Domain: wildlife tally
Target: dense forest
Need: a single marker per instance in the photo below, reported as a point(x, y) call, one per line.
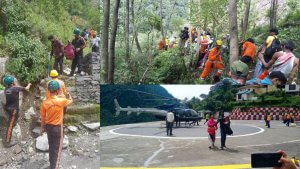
point(132, 29)
point(26, 25)
point(147, 96)
point(223, 98)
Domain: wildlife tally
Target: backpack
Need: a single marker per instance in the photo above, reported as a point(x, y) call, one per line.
point(184, 35)
point(228, 130)
point(69, 52)
point(273, 48)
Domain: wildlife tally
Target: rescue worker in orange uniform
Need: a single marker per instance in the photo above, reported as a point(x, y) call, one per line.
point(62, 91)
point(162, 44)
point(249, 51)
point(52, 113)
point(214, 61)
point(11, 107)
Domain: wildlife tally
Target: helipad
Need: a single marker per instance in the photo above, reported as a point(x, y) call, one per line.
point(158, 130)
point(146, 145)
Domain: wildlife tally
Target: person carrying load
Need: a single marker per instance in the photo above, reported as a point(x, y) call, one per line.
point(214, 62)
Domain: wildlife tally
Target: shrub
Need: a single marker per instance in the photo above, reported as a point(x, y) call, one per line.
point(168, 68)
point(28, 61)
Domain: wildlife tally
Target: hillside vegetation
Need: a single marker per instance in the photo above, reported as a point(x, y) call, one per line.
point(26, 25)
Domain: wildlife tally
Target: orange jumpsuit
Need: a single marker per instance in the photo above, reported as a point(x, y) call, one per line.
point(214, 62)
point(249, 50)
point(62, 91)
point(161, 45)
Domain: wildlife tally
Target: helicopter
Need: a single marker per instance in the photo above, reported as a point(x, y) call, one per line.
point(181, 113)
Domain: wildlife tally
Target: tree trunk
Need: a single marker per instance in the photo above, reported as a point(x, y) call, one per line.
point(111, 68)
point(135, 33)
point(170, 17)
point(161, 20)
point(104, 40)
point(199, 13)
point(234, 50)
point(298, 74)
point(273, 13)
point(205, 22)
point(127, 31)
point(245, 20)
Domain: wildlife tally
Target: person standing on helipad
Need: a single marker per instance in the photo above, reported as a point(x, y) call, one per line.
point(288, 119)
point(169, 121)
point(211, 130)
point(268, 119)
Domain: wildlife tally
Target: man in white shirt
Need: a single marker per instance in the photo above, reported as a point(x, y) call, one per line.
point(95, 42)
point(169, 121)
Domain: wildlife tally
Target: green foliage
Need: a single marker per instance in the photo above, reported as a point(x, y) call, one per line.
point(43, 23)
point(2, 87)
point(28, 61)
point(26, 25)
point(217, 100)
point(168, 67)
point(13, 16)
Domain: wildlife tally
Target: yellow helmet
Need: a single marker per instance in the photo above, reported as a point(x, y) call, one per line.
point(53, 73)
point(219, 42)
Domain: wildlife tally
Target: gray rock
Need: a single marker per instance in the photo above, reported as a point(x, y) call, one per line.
point(2, 98)
point(42, 142)
point(3, 161)
point(29, 113)
point(30, 149)
point(18, 149)
point(92, 126)
point(16, 133)
point(3, 64)
point(71, 89)
point(72, 128)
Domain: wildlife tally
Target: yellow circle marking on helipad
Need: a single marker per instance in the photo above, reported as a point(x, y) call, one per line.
point(234, 166)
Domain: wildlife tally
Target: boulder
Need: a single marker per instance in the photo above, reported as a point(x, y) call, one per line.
point(92, 126)
point(29, 113)
point(42, 142)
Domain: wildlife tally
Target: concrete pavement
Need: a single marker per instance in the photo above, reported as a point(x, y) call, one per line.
point(145, 145)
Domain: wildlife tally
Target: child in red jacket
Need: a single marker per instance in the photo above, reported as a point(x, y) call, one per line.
point(211, 129)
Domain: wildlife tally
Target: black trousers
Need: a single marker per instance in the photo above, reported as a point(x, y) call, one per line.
point(12, 116)
point(268, 124)
point(58, 65)
point(169, 128)
point(223, 137)
point(55, 141)
point(288, 122)
point(77, 62)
